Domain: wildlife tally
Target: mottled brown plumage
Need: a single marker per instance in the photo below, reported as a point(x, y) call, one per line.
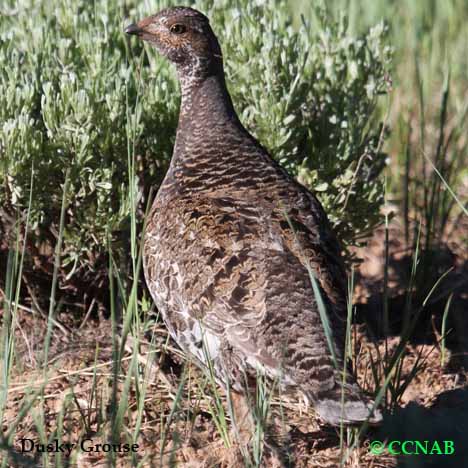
point(231, 237)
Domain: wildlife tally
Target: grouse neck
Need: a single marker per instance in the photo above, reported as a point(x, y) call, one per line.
point(205, 101)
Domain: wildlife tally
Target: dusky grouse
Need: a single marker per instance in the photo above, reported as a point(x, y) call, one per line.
point(231, 238)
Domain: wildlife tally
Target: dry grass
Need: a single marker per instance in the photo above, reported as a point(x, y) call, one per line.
point(78, 388)
point(143, 391)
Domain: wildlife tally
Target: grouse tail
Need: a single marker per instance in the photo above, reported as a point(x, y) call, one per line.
point(347, 405)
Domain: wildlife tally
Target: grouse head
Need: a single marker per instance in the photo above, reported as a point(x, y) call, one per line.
point(184, 36)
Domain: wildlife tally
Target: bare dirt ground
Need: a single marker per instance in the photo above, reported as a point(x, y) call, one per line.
point(434, 406)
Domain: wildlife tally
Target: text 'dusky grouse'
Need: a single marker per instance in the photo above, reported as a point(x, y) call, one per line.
point(232, 241)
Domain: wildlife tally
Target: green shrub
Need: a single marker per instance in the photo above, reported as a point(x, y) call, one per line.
point(77, 95)
point(310, 97)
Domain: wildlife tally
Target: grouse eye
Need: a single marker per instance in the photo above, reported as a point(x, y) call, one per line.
point(178, 29)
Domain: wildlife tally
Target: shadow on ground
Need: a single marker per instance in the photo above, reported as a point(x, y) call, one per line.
point(453, 285)
point(445, 420)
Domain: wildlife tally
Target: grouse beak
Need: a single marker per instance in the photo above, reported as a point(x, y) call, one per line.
point(133, 29)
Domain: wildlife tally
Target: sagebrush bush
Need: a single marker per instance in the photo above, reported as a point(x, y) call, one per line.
point(77, 95)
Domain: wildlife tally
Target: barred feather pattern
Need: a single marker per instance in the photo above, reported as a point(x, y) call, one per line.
point(231, 239)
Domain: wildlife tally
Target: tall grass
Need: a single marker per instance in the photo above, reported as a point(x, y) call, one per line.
point(429, 101)
point(426, 175)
